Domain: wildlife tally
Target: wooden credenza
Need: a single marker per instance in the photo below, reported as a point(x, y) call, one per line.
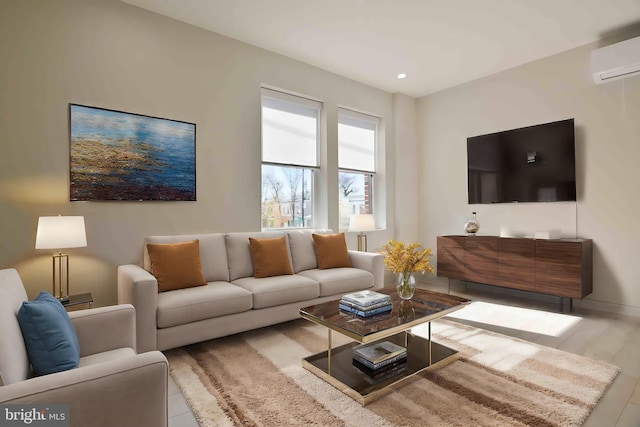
point(560, 267)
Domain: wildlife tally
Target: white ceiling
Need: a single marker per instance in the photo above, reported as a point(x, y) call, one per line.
point(438, 43)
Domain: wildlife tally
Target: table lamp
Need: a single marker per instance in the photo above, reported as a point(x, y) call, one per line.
point(361, 223)
point(60, 232)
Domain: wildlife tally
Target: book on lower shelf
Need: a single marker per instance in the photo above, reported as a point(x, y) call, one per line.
point(379, 354)
point(400, 358)
point(365, 313)
point(379, 375)
point(366, 298)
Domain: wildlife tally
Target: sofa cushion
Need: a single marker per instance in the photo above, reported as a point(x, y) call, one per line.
point(335, 281)
point(14, 362)
point(176, 265)
point(331, 250)
point(213, 253)
point(51, 341)
point(303, 252)
point(204, 302)
point(279, 290)
point(239, 254)
point(270, 257)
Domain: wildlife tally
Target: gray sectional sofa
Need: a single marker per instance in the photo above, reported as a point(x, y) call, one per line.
point(233, 300)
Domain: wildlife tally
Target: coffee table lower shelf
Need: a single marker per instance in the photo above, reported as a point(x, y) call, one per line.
point(339, 370)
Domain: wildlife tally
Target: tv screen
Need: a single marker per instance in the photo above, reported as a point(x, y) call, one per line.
point(530, 164)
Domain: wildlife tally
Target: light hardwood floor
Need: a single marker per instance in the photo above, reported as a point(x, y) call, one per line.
point(598, 335)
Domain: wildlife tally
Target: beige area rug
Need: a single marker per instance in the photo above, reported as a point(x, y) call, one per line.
point(256, 379)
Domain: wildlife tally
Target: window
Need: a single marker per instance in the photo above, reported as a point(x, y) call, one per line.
point(357, 140)
point(290, 141)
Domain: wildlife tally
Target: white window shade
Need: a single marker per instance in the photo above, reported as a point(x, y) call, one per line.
point(357, 141)
point(289, 129)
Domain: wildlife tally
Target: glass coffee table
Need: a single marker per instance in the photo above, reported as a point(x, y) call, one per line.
point(336, 366)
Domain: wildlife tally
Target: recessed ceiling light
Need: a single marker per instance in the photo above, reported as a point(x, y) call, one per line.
point(402, 76)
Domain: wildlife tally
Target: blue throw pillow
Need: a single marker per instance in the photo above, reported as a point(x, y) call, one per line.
point(51, 341)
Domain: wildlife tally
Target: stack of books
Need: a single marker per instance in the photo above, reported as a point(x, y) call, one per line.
point(380, 361)
point(365, 303)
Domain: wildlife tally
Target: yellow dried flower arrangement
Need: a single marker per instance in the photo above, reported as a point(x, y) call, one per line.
point(401, 258)
point(406, 260)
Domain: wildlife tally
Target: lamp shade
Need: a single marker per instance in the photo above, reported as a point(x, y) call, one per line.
point(60, 232)
point(363, 222)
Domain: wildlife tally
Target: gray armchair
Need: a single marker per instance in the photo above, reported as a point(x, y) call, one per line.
point(113, 385)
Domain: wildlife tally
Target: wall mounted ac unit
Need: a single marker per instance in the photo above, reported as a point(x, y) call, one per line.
point(616, 61)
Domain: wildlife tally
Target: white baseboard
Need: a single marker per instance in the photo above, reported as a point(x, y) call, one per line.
point(609, 307)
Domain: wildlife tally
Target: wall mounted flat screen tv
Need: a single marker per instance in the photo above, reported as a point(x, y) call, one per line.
point(530, 164)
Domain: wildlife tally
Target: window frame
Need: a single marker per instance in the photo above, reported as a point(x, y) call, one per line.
point(285, 98)
point(377, 122)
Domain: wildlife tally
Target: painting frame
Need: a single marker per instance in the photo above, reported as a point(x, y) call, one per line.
point(122, 156)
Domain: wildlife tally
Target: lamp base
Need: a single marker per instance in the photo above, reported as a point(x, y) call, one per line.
point(62, 275)
point(362, 242)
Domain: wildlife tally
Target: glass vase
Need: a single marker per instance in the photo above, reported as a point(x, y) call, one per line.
point(472, 226)
point(406, 285)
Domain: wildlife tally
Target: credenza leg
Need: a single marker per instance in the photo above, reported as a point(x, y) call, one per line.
point(562, 304)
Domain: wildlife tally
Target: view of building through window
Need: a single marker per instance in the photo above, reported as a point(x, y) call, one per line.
point(355, 195)
point(286, 197)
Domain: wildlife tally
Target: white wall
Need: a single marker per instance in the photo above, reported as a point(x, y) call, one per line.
point(607, 123)
point(406, 184)
point(109, 54)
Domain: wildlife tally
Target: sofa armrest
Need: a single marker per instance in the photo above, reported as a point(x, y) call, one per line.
point(130, 391)
point(371, 262)
point(94, 338)
point(138, 287)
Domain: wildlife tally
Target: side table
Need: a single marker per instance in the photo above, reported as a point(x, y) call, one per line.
point(79, 299)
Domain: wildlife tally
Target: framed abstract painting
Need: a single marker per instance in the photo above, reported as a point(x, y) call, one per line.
point(116, 155)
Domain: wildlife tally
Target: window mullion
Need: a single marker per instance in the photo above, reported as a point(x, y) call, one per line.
point(291, 165)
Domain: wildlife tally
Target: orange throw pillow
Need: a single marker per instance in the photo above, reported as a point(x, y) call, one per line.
point(331, 250)
point(176, 265)
point(270, 257)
